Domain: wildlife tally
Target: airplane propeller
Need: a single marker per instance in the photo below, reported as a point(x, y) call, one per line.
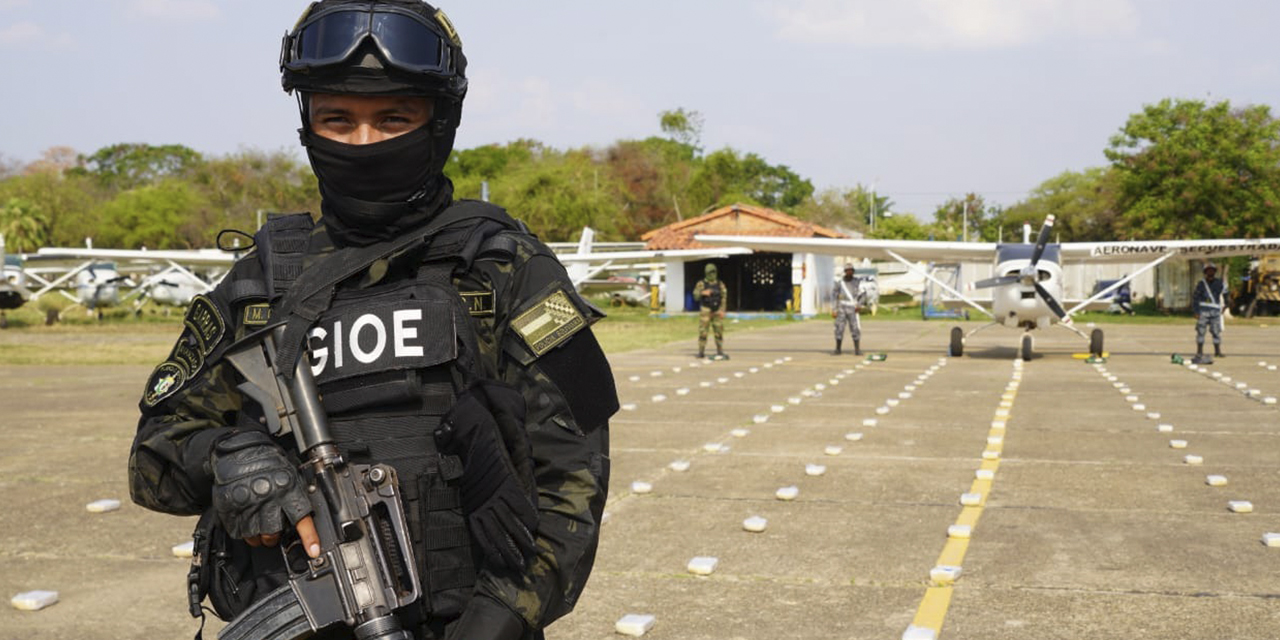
point(1030, 275)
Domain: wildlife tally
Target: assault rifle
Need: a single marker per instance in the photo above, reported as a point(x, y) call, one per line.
point(366, 567)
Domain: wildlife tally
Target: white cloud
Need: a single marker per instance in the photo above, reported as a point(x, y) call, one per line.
point(29, 34)
point(5, 5)
point(181, 10)
point(943, 24)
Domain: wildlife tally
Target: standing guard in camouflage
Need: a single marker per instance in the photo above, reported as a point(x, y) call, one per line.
point(1209, 299)
point(847, 303)
point(458, 352)
point(712, 298)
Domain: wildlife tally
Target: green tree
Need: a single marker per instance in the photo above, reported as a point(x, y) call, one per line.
point(1083, 204)
point(127, 165)
point(65, 199)
point(684, 127)
point(845, 209)
point(559, 195)
point(237, 186)
point(653, 175)
point(725, 177)
point(950, 217)
point(1187, 169)
point(902, 226)
point(23, 225)
point(165, 215)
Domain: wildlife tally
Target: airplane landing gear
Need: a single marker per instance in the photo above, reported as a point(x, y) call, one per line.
point(957, 342)
point(1028, 346)
point(1095, 343)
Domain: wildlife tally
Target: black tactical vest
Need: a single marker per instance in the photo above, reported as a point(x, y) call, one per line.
point(388, 361)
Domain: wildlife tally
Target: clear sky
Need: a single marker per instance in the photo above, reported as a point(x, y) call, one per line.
point(925, 99)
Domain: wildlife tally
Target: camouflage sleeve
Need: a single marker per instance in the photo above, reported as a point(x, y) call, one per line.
point(187, 404)
point(549, 352)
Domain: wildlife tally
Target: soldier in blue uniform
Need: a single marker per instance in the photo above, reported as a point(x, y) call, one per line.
point(1209, 299)
point(847, 304)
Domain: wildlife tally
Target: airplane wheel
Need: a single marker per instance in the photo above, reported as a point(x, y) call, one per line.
point(1027, 346)
point(957, 342)
point(1095, 342)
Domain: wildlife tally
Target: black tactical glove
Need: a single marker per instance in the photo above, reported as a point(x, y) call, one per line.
point(502, 516)
point(486, 619)
point(255, 488)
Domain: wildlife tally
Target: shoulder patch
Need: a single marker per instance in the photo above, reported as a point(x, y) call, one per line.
point(549, 323)
point(164, 382)
point(257, 314)
point(206, 322)
point(479, 303)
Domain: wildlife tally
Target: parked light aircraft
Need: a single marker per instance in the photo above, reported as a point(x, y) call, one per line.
point(1028, 292)
point(13, 290)
point(169, 278)
point(586, 265)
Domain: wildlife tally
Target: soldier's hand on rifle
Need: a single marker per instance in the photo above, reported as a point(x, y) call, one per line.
point(257, 492)
point(502, 516)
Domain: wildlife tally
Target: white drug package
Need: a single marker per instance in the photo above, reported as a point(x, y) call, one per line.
point(634, 624)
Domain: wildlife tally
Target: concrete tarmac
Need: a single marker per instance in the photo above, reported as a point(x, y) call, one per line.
point(1088, 524)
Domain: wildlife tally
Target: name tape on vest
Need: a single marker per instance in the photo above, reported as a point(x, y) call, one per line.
point(400, 334)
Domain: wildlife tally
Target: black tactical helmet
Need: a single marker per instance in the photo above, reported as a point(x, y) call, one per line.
point(388, 47)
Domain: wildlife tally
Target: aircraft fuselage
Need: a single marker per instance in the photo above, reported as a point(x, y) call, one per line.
point(1017, 305)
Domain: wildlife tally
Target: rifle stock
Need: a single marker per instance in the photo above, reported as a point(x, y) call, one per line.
point(366, 567)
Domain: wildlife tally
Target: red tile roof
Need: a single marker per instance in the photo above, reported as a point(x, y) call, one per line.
point(734, 220)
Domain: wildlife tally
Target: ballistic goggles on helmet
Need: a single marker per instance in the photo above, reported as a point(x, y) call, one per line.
point(407, 40)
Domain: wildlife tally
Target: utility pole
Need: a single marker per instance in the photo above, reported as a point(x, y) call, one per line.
point(966, 220)
point(871, 205)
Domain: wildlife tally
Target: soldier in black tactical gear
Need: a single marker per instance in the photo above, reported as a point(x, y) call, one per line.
point(445, 340)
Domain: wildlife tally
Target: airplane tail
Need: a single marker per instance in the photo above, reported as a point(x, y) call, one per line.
point(580, 271)
point(588, 238)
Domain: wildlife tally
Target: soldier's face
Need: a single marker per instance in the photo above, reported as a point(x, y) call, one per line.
point(354, 119)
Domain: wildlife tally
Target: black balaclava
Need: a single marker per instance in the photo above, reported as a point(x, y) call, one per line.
point(379, 191)
point(374, 192)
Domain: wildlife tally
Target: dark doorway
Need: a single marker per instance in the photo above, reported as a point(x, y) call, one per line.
point(757, 282)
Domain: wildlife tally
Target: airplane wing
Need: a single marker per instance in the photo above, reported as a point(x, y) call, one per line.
point(649, 256)
point(208, 257)
point(1140, 250)
point(915, 250)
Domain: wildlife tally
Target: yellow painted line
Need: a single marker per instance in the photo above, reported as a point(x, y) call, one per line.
point(932, 611)
point(933, 608)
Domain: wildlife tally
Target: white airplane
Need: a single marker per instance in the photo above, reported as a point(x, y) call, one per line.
point(586, 265)
point(169, 278)
point(1028, 292)
point(13, 290)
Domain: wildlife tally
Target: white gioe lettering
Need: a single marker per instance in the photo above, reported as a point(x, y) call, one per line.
point(320, 355)
point(337, 344)
point(368, 320)
point(403, 333)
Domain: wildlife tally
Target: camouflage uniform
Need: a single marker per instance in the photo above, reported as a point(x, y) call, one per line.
point(1209, 301)
point(711, 310)
point(191, 400)
point(847, 308)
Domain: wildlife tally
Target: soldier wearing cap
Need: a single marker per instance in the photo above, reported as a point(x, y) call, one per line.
point(1209, 299)
point(713, 299)
point(847, 296)
point(456, 351)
